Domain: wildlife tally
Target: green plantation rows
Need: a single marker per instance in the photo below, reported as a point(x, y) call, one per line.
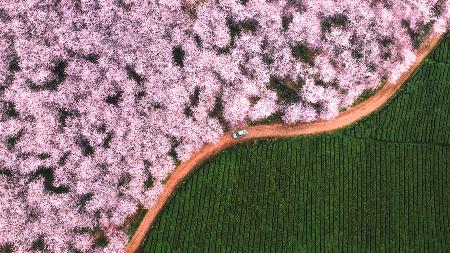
point(381, 185)
point(371, 196)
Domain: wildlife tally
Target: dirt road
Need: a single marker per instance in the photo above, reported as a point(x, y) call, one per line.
point(275, 131)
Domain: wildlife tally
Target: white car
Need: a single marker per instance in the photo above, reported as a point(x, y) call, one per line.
point(239, 134)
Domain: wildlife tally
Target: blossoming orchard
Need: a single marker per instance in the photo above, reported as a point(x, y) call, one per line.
point(101, 99)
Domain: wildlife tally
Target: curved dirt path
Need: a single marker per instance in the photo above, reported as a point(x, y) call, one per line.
point(275, 131)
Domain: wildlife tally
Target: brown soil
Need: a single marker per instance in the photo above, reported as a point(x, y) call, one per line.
point(275, 131)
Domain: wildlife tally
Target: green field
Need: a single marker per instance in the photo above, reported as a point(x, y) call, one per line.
point(381, 185)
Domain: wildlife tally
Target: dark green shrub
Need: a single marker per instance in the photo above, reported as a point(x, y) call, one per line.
point(100, 238)
point(339, 20)
point(149, 182)
point(286, 21)
point(174, 143)
point(178, 55)
point(6, 248)
point(285, 92)
point(303, 53)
